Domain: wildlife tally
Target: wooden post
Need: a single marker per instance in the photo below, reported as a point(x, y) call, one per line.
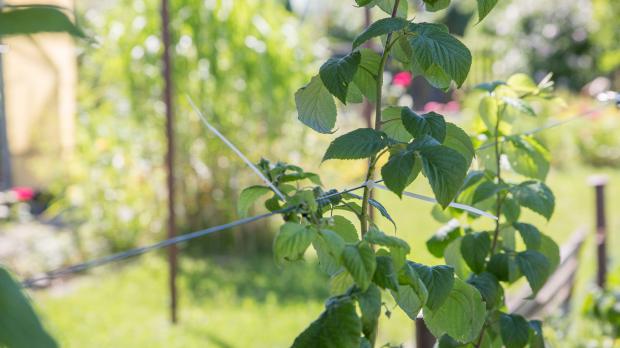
point(167, 72)
point(5, 154)
point(423, 337)
point(599, 183)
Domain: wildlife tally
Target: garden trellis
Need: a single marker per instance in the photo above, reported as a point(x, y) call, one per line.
point(81, 267)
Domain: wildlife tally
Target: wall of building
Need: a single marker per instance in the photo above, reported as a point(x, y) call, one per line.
point(40, 76)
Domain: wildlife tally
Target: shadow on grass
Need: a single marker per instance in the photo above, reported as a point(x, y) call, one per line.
point(258, 278)
point(218, 342)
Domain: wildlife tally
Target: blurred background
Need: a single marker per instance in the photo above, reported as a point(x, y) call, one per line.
point(84, 145)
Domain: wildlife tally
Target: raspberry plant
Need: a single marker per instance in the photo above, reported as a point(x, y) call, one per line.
point(462, 302)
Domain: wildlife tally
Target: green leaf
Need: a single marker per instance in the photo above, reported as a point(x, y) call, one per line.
point(486, 189)
point(411, 294)
point(344, 228)
point(387, 6)
point(535, 267)
point(536, 196)
point(315, 106)
point(438, 280)
point(393, 126)
point(385, 275)
point(19, 324)
point(370, 306)
point(507, 235)
point(438, 243)
point(363, 2)
point(377, 237)
point(305, 198)
point(358, 144)
point(381, 27)
point(432, 124)
point(354, 94)
point(329, 246)
point(312, 177)
point(340, 282)
point(439, 54)
point(484, 7)
point(489, 112)
point(446, 170)
point(490, 86)
point(360, 262)
point(511, 209)
point(527, 157)
point(337, 327)
point(292, 240)
point(35, 19)
point(398, 247)
point(375, 204)
point(475, 247)
point(337, 73)
point(515, 330)
point(440, 215)
point(458, 140)
point(401, 51)
point(536, 334)
point(408, 300)
point(453, 257)
point(366, 76)
point(436, 5)
point(365, 343)
point(461, 316)
point(249, 196)
point(530, 234)
point(522, 83)
point(519, 105)
point(489, 287)
point(400, 170)
point(504, 267)
point(551, 251)
point(446, 341)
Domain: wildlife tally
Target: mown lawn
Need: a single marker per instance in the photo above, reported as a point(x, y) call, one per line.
point(252, 303)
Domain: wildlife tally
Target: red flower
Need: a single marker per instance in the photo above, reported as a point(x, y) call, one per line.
point(23, 194)
point(403, 79)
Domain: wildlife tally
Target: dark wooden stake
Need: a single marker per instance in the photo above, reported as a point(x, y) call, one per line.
point(167, 71)
point(423, 337)
point(599, 183)
point(5, 154)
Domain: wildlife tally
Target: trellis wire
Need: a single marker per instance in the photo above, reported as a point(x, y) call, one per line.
point(235, 149)
point(28, 283)
point(433, 200)
point(547, 126)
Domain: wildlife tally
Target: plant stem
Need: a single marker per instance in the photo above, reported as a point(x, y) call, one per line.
point(499, 181)
point(373, 159)
point(481, 336)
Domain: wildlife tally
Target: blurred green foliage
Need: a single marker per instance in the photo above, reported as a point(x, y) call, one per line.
point(599, 144)
point(607, 35)
point(240, 61)
point(572, 39)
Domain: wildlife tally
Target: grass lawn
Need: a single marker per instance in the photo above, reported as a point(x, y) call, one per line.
point(252, 303)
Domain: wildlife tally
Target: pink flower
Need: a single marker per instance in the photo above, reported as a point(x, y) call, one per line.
point(403, 79)
point(23, 194)
point(452, 106)
point(432, 106)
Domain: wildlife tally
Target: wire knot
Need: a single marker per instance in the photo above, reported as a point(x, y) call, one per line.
point(370, 184)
